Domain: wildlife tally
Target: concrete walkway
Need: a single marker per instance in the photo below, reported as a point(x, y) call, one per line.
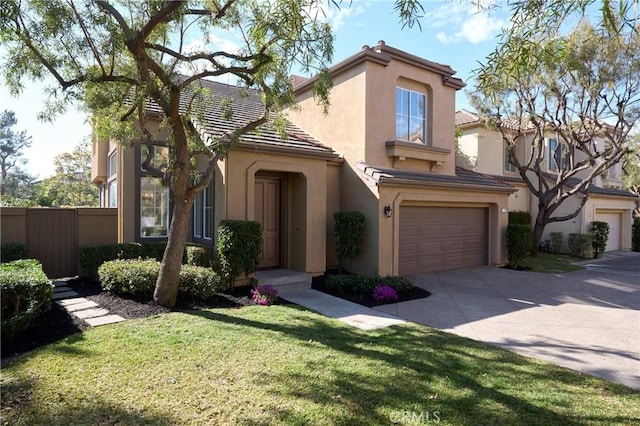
point(350, 313)
point(80, 307)
point(587, 320)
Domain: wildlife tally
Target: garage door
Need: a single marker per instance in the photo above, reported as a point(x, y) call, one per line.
point(441, 238)
point(613, 219)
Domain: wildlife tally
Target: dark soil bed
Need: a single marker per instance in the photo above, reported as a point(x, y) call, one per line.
point(367, 300)
point(57, 323)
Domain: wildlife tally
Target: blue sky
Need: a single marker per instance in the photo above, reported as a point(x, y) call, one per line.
point(453, 33)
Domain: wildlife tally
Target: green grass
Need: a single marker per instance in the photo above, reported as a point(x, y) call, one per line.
point(551, 263)
point(284, 365)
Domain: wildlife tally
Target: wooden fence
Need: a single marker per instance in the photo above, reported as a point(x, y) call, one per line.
point(53, 235)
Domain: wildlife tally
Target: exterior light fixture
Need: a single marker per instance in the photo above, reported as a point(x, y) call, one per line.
point(387, 210)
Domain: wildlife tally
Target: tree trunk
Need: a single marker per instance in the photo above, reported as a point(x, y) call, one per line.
point(166, 290)
point(538, 229)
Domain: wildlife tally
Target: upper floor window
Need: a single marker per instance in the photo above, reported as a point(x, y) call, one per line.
point(112, 181)
point(410, 115)
point(508, 166)
point(555, 155)
point(154, 196)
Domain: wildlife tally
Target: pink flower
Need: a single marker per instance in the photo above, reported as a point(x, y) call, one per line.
point(384, 292)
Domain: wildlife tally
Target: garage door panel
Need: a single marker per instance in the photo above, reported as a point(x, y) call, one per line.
point(441, 238)
point(613, 219)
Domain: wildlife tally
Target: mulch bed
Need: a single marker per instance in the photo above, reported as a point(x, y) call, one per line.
point(318, 283)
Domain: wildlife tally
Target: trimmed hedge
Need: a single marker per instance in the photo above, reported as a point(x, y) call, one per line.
point(635, 236)
point(25, 293)
point(91, 257)
point(519, 218)
point(138, 278)
point(239, 247)
point(366, 284)
point(519, 242)
point(12, 251)
point(349, 230)
point(599, 235)
point(557, 241)
point(579, 244)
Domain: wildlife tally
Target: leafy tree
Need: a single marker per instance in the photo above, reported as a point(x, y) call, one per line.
point(579, 83)
point(631, 171)
point(11, 145)
point(19, 188)
point(120, 57)
point(71, 186)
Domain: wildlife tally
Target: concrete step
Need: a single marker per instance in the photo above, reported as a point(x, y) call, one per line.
point(283, 280)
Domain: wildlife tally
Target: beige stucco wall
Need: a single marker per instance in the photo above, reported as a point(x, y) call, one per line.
point(521, 199)
point(333, 205)
point(306, 202)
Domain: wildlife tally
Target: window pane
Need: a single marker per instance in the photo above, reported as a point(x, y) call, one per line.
point(158, 156)
point(113, 193)
point(208, 213)
point(154, 208)
point(197, 216)
point(112, 165)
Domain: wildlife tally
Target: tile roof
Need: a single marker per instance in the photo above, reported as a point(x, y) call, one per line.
point(593, 189)
point(246, 105)
point(462, 178)
point(466, 117)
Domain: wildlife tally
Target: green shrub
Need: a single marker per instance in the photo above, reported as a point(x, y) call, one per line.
point(91, 257)
point(557, 241)
point(12, 251)
point(239, 247)
point(365, 284)
point(635, 236)
point(200, 255)
point(579, 244)
point(599, 235)
point(25, 293)
point(130, 277)
point(349, 230)
point(199, 282)
point(519, 242)
point(519, 218)
point(138, 278)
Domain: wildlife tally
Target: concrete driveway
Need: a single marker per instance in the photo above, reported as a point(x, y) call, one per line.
point(587, 320)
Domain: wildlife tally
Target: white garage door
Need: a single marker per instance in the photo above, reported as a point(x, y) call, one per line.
point(613, 219)
point(441, 238)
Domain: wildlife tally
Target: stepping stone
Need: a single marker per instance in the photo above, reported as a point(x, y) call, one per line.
point(107, 319)
point(91, 313)
point(61, 289)
point(65, 295)
point(81, 306)
point(73, 301)
point(60, 283)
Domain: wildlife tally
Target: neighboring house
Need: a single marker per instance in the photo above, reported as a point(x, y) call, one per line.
point(386, 148)
point(483, 150)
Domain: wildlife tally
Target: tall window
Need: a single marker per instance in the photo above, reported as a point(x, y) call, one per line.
point(410, 115)
point(555, 154)
point(154, 197)
point(112, 181)
point(508, 166)
point(203, 214)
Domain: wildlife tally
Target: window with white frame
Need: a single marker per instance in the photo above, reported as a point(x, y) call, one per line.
point(508, 166)
point(410, 115)
point(203, 214)
point(112, 181)
point(154, 196)
point(555, 155)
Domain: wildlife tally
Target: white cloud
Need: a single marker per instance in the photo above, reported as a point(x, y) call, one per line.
point(465, 22)
point(337, 16)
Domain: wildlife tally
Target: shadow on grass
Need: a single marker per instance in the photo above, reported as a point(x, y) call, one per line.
point(17, 397)
point(460, 379)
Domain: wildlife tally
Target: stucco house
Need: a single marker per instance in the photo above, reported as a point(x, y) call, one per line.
point(386, 148)
point(483, 150)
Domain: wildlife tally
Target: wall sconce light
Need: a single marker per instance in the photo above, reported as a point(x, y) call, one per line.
point(387, 210)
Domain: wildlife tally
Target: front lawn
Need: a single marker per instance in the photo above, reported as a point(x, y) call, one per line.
point(551, 263)
point(284, 365)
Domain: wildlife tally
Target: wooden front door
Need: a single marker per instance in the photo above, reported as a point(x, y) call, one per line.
point(268, 211)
